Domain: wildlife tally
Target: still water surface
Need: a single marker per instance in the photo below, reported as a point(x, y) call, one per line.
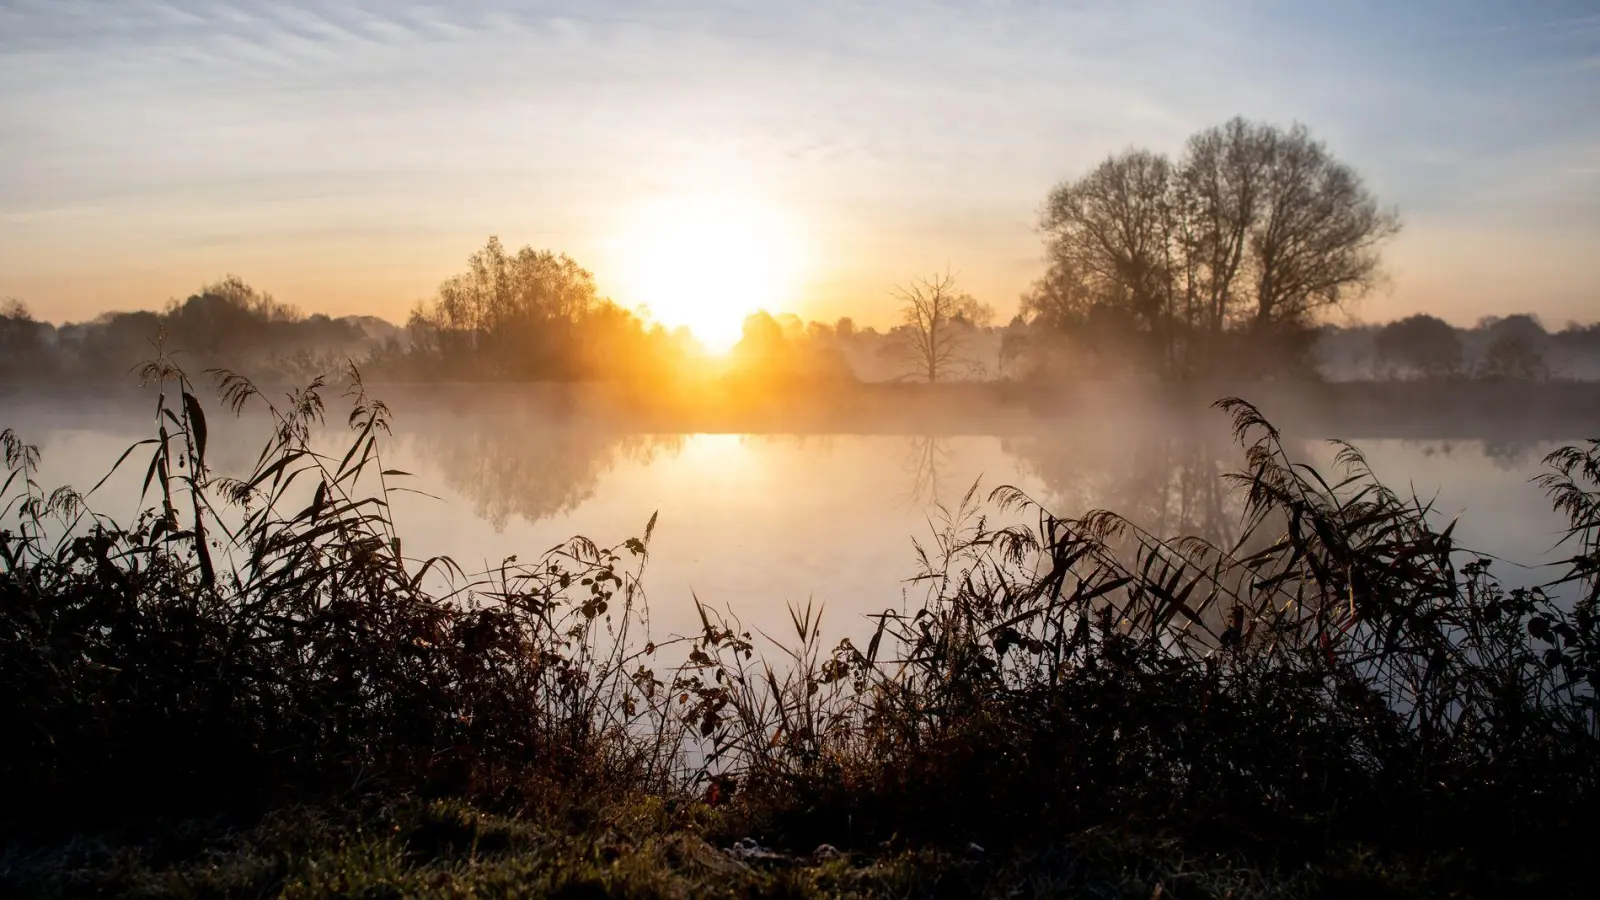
point(756, 522)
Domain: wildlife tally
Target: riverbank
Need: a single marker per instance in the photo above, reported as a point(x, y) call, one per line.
point(1442, 410)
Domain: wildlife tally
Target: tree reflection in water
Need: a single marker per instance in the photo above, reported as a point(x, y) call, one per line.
point(529, 465)
point(928, 460)
point(1171, 482)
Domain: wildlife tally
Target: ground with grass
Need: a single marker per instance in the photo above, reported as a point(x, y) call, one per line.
point(645, 849)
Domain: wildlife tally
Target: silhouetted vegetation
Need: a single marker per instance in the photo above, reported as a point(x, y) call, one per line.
point(783, 350)
point(1335, 698)
point(23, 350)
point(1420, 345)
point(1216, 265)
point(227, 323)
point(939, 321)
point(1516, 347)
point(531, 316)
point(1223, 265)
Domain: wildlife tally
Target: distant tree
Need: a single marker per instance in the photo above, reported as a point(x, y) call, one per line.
point(1013, 345)
point(232, 324)
point(234, 294)
point(774, 350)
point(22, 345)
point(794, 328)
point(114, 343)
point(1522, 326)
point(1509, 356)
point(1251, 234)
point(939, 320)
point(1579, 334)
point(763, 337)
point(845, 328)
point(532, 314)
point(1422, 343)
point(1578, 347)
point(1516, 349)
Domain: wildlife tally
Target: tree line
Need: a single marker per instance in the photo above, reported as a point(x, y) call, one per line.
point(226, 323)
point(1425, 347)
point(1223, 263)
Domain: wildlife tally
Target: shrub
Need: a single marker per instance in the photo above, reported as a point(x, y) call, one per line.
point(263, 639)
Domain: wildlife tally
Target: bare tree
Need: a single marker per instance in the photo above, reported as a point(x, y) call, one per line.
point(939, 321)
point(1219, 192)
point(1111, 239)
point(1317, 239)
point(1254, 231)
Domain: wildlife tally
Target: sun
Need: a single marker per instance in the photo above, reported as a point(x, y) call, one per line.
point(707, 262)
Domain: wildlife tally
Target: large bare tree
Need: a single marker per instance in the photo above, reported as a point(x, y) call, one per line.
point(1110, 240)
point(1249, 236)
point(939, 321)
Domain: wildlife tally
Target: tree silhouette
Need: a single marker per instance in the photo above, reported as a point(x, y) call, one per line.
point(782, 349)
point(1516, 349)
point(534, 314)
point(22, 345)
point(939, 320)
point(1241, 242)
point(1423, 344)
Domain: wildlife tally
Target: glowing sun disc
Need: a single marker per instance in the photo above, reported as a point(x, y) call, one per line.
point(707, 263)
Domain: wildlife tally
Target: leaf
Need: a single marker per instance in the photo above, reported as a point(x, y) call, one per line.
point(114, 466)
point(197, 423)
point(1538, 628)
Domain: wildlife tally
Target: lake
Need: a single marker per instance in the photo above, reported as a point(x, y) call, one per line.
point(757, 521)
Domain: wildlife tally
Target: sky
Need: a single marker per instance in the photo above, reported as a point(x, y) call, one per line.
point(347, 157)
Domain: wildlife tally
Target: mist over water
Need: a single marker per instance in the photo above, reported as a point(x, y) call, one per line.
point(757, 521)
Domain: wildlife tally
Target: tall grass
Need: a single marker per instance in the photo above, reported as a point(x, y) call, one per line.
point(263, 639)
point(1343, 673)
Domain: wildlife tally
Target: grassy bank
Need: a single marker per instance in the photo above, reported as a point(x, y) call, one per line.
point(448, 849)
point(253, 691)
